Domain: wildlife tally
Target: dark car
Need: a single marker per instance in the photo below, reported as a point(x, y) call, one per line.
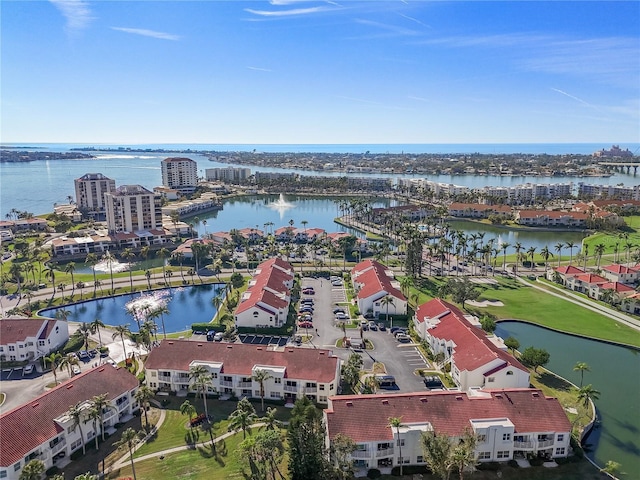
point(373, 326)
point(432, 382)
point(382, 327)
point(338, 310)
point(308, 291)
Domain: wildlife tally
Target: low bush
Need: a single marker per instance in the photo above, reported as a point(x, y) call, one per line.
point(536, 461)
point(374, 473)
point(513, 463)
point(410, 470)
point(52, 471)
point(206, 327)
point(489, 466)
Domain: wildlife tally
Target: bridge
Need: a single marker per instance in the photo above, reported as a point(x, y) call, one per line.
point(621, 166)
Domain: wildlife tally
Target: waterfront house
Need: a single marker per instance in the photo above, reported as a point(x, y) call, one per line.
point(43, 429)
point(372, 282)
point(27, 339)
point(621, 273)
point(477, 361)
point(474, 210)
point(620, 290)
point(508, 423)
point(295, 372)
point(551, 218)
point(266, 301)
point(584, 282)
point(562, 273)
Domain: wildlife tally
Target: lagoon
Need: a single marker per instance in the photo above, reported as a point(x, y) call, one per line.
point(615, 372)
point(186, 305)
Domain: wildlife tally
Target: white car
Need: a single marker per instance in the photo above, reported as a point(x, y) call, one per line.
point(76, 370)
point(27, 369)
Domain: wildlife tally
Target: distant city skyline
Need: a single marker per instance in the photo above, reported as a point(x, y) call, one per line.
point(320, 72)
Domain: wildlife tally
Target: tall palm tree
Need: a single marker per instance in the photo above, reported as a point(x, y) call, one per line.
point(189, 410)
point(518, 248)
point(95, 327)
point(101, 403)
point(77, 415)
point(94, 415)
point(122, 331)
point(261, 376)
point(127, 255)
point(243, 417)
point(92, 260)
point(201, 379)
point(581, 367)
point(68, 361)
point(163, 253)
point(505, 246)
point(587, 394)
point(570, 246)
point(108, 259)
point(531, 253)
point(386, 301)
point(142, 396)
point(599, 251)
point(85, 332)
point(70, 268)
point(129, 439)
point(545, 254)
point(558, 247)
point(396, 422)
point(54, 360)
point(50, 273)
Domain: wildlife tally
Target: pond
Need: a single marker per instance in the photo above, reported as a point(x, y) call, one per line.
point(186, 305)
point(614, 372)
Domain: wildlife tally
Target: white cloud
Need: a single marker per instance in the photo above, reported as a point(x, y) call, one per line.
point(288, 13)
point(76, 12)
point(148, 33)
point(260, 69)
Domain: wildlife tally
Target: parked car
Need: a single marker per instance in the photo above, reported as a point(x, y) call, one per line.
point(393, 330)
point(83, 355)
point(382, 327)
point(336, 283)
point(307, 301)
point(309, 291)
point(403, 338)
point(400, 331)
point(338, 310)
point(218, 337)
point(364, 325)
point(76, 370)
point(373, 326)
point(27, 369)
point(305, 324)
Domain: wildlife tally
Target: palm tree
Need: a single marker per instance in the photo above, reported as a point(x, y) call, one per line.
point(505, 246)
point(261, 376)
point(545, 254)
point(531, 253)
point(101, 403)
point(518, 247)
point(558, 248)
point(128, 255)
point(77, 416)
point(581, 367)
point(50, 273)
point(85, 332)
point(108, 259)
point(32, 470)
point(122, 331)
point(270, 420)
point(54, 360)
point(570, 246)
point(188, 409)
point(68, 361)
point(129, 439)
point(396, 422)
point(92, 259)
point(201, 379)
point(243, 417)
point(386, 301)
point(599, 251)
point(587, 394)
point(95, 327)
point(70, 268)
point(163, 253)
point(94, 415)
point(142, 396)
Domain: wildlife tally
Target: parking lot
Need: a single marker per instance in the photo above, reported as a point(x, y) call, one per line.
point(400, 359)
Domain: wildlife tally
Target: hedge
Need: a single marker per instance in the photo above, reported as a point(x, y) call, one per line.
point(207, 327)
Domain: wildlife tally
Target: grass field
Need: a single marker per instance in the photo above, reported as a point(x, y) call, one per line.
point(611, 239)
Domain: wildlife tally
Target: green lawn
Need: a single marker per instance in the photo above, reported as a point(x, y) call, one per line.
point(529, 304)
point(611, 239)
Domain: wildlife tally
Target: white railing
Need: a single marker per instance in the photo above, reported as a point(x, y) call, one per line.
point(527, 444)
point(245, 384)
point(226, 383)
point(290, 388)
point(385, 452)
point(361, 454)
point(545, 443)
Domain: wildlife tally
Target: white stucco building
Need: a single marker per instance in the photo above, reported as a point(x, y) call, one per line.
point(372, 282)
point(180, 174)
point(27, 339)
point(133, 208)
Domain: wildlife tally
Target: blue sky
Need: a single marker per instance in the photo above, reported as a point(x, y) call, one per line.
point(287, 71)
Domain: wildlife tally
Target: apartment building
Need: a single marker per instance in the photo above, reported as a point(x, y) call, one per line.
point(133, 208)
point(229, 174)
point(373, 282)
point(618, 192)
point(508, 423)
point(43, 429)
point(90, 191)
point(180, 174)
point(27, 339)
point(295, 372)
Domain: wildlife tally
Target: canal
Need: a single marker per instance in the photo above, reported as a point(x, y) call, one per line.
point(614, 372)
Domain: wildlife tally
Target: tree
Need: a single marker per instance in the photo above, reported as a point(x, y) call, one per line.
point(305, 435)
point(599, 251)
point(437, 451)
point(270, 420)
point(386, 301)
point(340, 452)
point(558, 247)
point(461, 290)
point(77, 416)
point(128, 255)
point(95, 326)
point(84, 331)
point(68, 361)
point(261, 376)
point(101, 403)
point(186, 408)
point(94, 415)
point(92, 259)
point(464, 453)
point(242, 417)
point(129, 439)
point(534, 357)
point(32, 470)
point(581, 367)
point(587, 394)
point(201, 379)
point(512, 344)
point(396, 422)
point(351, 370)
point(142, 396)
point(488, 324)
point(263, 453)
point(54, 360)
point(612, 468)
point(570, 246)
point(163, 253)
point(70, 268)
point(83, 476)
point(122, 331)
point(109, 260)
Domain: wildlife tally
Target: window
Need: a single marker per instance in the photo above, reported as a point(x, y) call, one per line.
point(275, 395)
point(490, 379)
point(322, 386)
point(12, 348)
point(3, 474)
point(506, 437)
point(419, 459)
point(322, 399)
point(560, 437)
point(403, 460)
point(509, 372)
point(277, 380)
point(484, 455)
point(503, 454)
point(214, 375)
point(331, 387)
point(154, 373)
point(560, 451)
point(482, 438)
point(400, 442)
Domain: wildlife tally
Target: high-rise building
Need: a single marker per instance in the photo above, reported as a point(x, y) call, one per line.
point(133, 208)
point(228, 174)
point(180, 173)
point(90, 190)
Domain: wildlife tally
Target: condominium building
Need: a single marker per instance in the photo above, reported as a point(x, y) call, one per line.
point(228, 174)
point(27, 339)
point(90, 190)
point(507, 423)
point(133, 208)
point(179, 173)
point(294, 372)
point(618, 192)
point(42, 428)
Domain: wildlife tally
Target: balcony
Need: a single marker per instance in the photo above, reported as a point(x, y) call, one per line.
point(521, 445)
point(245, 384)
point(361, 454)
point(226, 383)
point(291, 388)
point(384, 452)
point(310, 389)
point(58, 447)
point(180, 379)
point(545, 443)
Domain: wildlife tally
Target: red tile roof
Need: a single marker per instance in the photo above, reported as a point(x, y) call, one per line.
point(552, 214)
point(616, 286)
point(31, 424)
point(270, 277)
point(472, 347)
point(365, 417)
point(621, 269)
point(374, 279)
point(14, 330)
point(238, 359)
point(591, 278)
point(569, 270)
